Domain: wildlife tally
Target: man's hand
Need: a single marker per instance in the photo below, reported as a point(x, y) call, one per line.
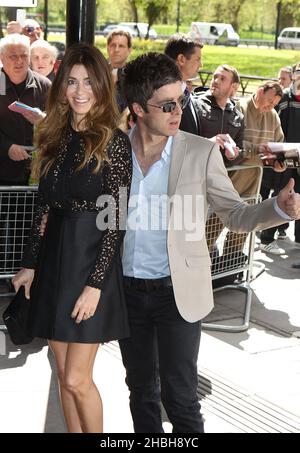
point(14, 27)
point(17, 153)
point(279, 167)
point(271, 159)
point(221, 139)
point(289, 201)
point(33, 117)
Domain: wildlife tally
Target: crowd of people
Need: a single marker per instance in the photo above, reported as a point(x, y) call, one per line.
point(111, 254)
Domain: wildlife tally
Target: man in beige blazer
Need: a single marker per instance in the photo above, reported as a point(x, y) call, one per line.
point(166, 264)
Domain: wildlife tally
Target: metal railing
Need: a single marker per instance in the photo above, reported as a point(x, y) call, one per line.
point(231, 257)
point(16, 215)
point(257, 42)
point(246, 81)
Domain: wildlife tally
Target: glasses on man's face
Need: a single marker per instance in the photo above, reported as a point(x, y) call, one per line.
point(170, 106)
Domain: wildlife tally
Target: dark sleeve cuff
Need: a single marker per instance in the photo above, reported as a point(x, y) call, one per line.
point(94, 283)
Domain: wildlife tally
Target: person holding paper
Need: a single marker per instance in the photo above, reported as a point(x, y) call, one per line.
point(289, 114)
point(19, 83)
point(218, 115)
point(261, 126)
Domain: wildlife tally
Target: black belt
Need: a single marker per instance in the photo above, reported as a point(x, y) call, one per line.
point(147, 285)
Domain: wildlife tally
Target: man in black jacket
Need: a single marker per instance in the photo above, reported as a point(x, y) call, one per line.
point(18, 83)
point(216, 111)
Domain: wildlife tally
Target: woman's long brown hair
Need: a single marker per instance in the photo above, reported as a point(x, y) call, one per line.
point(99, 123)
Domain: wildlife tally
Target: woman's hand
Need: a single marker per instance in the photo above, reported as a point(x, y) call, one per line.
point(279, 166)
point(86, 304)
point(23, 278)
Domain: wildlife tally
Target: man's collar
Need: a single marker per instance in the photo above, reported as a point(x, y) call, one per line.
point(212, 100)
point(30, 80)
point(168, 146)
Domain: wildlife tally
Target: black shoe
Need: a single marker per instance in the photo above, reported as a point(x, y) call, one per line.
point(296, 266)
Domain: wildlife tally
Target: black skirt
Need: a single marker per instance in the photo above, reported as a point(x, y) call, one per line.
point(67, 255)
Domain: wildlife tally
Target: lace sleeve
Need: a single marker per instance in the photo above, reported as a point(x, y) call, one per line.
point(31, 250)
point(117, 175)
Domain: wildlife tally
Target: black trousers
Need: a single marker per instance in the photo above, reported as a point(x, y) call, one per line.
point(297, 222)
point(160, 358)
point(273, 181)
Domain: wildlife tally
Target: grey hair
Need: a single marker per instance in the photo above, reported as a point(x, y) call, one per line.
point(42, 44)
point(14, 39)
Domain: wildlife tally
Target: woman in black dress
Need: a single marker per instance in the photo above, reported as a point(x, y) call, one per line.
point(73, 272)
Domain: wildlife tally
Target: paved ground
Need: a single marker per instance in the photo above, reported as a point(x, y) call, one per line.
point(248, 382)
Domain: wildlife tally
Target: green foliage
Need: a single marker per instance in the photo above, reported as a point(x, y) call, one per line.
point(258, 62)
point(167, 29)
point(251, 16)
point(140, 46)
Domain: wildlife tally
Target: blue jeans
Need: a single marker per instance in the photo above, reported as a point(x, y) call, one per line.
point(160, 358)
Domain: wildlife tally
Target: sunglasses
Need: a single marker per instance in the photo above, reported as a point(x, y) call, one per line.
point(170, 106)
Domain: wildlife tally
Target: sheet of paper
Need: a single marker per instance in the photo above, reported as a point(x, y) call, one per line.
point(20, 107)
point(21, 16)
point(276, 147)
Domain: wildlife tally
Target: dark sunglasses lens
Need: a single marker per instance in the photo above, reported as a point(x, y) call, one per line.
point(183, 102)
point(168, 107)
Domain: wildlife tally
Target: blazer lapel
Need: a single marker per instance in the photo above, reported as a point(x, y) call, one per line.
point(178, 154)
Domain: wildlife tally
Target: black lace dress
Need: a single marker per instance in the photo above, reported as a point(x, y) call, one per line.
point(74, 252)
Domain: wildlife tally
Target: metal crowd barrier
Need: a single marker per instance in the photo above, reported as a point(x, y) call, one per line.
point(16, 216)
point(232, 255)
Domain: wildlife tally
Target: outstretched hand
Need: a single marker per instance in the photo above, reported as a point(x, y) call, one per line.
point(289, 201)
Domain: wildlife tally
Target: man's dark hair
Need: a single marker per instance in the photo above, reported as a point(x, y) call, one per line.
point(233, 71)
point(146, 74)
point(181, 44)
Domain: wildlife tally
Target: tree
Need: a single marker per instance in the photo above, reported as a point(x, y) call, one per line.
point(153, 9)
point(290, 13)
point(134, 9)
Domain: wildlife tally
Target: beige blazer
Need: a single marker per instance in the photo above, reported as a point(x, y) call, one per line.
point(197, 169)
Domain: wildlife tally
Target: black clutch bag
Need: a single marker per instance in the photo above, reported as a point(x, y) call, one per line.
point(16, 318)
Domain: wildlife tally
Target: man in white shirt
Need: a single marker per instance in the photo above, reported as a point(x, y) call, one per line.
point(165, 260)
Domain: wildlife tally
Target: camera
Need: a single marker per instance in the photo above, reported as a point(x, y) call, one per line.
point(29, 29)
